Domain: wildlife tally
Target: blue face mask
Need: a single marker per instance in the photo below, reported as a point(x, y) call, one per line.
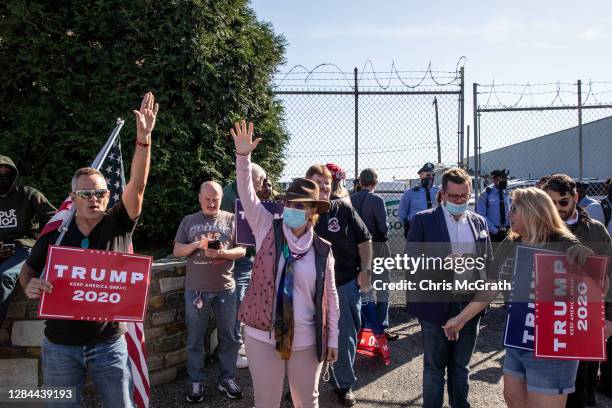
point(456, 209)
point(293, 217)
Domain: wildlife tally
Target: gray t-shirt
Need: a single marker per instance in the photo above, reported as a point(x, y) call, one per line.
point(203, 273)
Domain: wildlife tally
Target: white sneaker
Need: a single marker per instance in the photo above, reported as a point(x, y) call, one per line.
point(242, 351)
point(242, 362)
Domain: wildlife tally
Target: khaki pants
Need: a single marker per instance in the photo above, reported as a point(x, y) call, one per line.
point(268, 372)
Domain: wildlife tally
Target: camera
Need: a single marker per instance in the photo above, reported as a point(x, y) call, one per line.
point(216, 244)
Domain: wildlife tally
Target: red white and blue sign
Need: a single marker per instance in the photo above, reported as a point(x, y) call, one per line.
point(520, 320)
point(570, 308)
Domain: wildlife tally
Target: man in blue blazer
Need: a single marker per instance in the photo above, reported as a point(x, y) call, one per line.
point(445, 238)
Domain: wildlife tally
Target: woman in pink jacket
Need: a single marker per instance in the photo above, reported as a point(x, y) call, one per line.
point(291, 308)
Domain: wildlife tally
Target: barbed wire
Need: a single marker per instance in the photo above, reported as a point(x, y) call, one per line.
point(494, 91)
point(365, 150)
point(439, 78)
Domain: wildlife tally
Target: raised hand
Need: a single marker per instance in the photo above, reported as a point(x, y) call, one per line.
point(243, 138)
point(145, 118)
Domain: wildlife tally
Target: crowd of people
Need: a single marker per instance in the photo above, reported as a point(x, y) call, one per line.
point(289, 307)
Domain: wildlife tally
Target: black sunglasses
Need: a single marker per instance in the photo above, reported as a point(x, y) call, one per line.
point(562, 203)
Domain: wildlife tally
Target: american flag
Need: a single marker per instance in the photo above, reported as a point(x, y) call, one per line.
point(112, 168)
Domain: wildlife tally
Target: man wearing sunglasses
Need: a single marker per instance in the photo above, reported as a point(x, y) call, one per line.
point(562, 190)
point(73, 348)
point(22, 210)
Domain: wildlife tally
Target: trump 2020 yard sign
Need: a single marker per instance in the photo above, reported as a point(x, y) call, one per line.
point(95, 285)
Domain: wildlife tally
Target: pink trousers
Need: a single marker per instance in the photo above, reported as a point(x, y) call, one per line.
point(268, 372)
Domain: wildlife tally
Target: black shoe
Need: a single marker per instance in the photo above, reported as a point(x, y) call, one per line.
point(391, 336)
point(591, 401)
point(602, 389)
point(230, 389)
point(195, 394)
point(346, 396)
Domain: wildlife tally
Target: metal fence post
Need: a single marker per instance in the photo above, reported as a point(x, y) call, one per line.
point(356, 125)
point(435, 103)
point(580, 129)
point(467, 141)
point(476, 144)
point(462, 116)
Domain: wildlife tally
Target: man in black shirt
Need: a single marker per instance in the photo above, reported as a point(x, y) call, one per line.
point(352, 250)
point(371, 209)
point(70, 349)
point(22, 210)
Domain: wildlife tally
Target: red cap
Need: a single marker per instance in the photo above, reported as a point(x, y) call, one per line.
point(337, 172)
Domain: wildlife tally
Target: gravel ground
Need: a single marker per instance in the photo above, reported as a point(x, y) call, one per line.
point(396, 385)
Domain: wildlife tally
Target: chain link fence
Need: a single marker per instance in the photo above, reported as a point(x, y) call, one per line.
point(392, 121)
point(540, 129)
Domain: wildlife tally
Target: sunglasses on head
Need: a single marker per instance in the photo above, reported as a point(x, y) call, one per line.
point(87, 194)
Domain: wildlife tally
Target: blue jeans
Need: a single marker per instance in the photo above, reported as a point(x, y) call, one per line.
point(442, 355)
point(9, 274)
point(106, 362)
point(243, 267)
point(223, 306)
point(542, 375)
point(349, 325)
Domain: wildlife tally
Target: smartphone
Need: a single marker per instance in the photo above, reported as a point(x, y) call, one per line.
point(216, 244)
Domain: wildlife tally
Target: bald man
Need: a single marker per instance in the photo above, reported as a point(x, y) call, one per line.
point(207, 238)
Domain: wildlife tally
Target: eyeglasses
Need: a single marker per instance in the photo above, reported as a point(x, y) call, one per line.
point(455, 197)
point(298, 205)
point(87, 194)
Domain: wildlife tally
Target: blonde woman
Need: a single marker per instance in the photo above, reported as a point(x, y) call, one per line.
point(530, 382)
point(291, 308)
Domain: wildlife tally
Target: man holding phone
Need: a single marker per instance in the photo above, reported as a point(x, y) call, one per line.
point(22, 210)
point(207, 238)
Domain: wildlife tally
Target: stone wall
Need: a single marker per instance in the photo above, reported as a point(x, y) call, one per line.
point(165, 331)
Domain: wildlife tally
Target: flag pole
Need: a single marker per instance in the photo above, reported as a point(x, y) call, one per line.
point(97, 163)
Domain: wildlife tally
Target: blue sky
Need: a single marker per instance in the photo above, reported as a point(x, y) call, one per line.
point(509, 42)
point(519, 41)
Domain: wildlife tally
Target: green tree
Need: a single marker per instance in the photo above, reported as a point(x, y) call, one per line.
point(69, 68)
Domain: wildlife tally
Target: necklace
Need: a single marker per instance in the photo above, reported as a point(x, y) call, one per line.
point(85, 240)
